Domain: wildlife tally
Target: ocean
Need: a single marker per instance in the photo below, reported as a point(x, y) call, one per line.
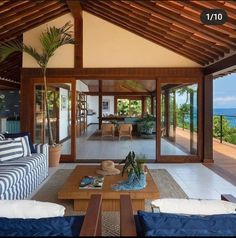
point(228, 113)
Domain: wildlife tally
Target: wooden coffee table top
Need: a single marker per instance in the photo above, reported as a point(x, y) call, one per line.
point(71, 190)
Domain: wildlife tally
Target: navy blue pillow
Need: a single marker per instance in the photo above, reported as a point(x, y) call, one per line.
point(21, 134)
point(166, 224)
point(55, 226)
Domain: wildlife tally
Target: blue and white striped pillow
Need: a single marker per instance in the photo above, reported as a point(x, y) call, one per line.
point(26, 146)
point(10, 149)
point(2, 137)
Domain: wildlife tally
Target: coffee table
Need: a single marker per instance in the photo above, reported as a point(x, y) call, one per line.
point(110, 198)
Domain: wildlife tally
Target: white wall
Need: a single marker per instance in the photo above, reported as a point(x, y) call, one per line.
point(93, 105)
point(111, 103)
point(64, 56)
point(107, 45)
point(63, 114)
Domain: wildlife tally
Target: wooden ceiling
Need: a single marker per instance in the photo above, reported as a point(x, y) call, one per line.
point(174, 25)
point(124, 86)
point(19, 16)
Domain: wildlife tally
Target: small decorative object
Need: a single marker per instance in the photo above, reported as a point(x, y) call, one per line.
point(91, 182)
point(136, 178)
point(108, 168)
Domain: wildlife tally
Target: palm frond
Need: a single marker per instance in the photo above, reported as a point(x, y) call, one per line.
point(54, 37)
point(7, 48)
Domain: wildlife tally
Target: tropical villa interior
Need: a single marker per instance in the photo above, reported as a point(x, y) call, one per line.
point(139, 77)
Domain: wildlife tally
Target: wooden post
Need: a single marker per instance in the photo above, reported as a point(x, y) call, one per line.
point(166, 104)
point(100, 104)
point(207, 119)
point(191, 123)
point(152, 104)
point(76, 11)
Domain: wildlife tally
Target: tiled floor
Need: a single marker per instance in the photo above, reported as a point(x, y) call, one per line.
point(105, 149)
point(195, 179)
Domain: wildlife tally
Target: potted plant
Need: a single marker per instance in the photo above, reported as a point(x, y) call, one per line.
point(51, 39)
point(141, 160)
point(131, 165)
point(146, 126)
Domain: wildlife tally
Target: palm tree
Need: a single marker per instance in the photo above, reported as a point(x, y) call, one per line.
point(51, 39)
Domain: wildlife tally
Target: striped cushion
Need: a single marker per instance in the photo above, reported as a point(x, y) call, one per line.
point(11, 149)
point(26, 146)
point(28, 162)
point(2, 137)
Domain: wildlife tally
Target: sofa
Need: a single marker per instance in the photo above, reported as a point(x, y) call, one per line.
point(42, 219)
point(220, 221)
point(19, 177)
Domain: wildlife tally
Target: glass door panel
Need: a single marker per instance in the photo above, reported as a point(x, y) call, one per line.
point(59, 98)
point(179, 119)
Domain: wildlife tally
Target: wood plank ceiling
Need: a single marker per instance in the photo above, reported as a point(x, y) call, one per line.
point(19, 16)
point(171, 24)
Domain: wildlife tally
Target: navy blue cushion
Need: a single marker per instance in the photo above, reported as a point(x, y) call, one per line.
point(21, 134)
point(165, 224)
point(56, 226)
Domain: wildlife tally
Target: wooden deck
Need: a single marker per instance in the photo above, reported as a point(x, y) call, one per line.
point(224, 155)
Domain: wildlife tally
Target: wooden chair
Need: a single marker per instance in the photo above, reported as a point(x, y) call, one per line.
point(108, 129)
point(127, 220)
point(125, 130)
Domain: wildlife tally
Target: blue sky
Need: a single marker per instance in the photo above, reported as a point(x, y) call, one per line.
point(224, 92)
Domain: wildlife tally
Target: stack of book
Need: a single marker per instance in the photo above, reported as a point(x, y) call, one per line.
point(91, 182)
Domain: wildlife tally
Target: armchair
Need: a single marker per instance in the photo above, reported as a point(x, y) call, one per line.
point(132, 225)
point(125, 130)
point(108, 129)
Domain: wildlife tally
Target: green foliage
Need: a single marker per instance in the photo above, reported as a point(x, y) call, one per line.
point(228, 132)
point(51, 39)
point(126, 107)
point(146, 124)
point(131, 165)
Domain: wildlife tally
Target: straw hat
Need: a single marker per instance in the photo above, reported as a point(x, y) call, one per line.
point(108, 168)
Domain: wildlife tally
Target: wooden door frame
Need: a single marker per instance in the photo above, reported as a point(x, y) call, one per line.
point(180, 158)
point(28, 109)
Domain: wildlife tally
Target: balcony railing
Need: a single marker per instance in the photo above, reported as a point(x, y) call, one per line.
point(224, 128)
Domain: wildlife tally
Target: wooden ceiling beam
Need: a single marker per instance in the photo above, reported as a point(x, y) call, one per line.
point(17, 10)
point(9, 84)
point(46, 8)
point(139, 25)
point(75, 7)
point(48, 17)
point(215, 36)
point(176, 31)
point(25, 12)
point(172, 6)
point(217, 5)
point(144, 34)
point(11, 4)
point(220, 65)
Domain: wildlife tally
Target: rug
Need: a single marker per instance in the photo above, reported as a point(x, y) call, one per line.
point(110, 220)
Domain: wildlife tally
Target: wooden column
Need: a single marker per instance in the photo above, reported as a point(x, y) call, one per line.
point(100, 104)
point(166, 104)
point(76, 11)
point(207, 119)
point(191, 123)
point(152, 104)
point(158, 120)
point(115, 105)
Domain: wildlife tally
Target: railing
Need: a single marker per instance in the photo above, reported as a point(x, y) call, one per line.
point(224, 128)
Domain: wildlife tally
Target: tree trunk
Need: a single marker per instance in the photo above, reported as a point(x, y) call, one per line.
point(49, 126)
